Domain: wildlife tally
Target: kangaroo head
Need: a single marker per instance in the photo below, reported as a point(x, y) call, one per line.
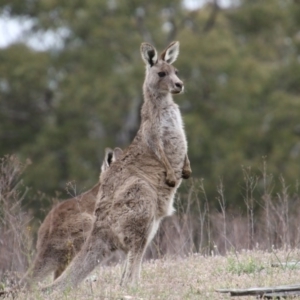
point(110, 157)
point(161, 76)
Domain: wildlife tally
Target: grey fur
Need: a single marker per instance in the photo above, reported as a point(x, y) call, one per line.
point(138, 190)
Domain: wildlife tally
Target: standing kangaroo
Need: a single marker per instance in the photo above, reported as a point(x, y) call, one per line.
point(138, 190)
point(65, 229)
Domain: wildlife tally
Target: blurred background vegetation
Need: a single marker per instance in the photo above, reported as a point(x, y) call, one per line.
point(62, 104)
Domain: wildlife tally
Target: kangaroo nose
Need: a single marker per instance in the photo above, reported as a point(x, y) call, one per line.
point(179, 85)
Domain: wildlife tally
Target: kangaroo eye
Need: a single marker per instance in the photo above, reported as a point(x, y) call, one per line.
point(176, 72)
point(161, 74)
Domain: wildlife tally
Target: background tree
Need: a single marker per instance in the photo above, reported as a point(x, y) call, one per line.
point(62, 106)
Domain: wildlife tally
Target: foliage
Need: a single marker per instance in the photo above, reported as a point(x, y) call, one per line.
point(61, 107)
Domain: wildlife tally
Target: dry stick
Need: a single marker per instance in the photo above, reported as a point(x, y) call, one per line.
point(187, 220)
point(285, 214)
point(202, 219)
point(251, 182)
point(276, 210)
point(246, 200)
point(222, 203)
point(267, 200)
point(188, 215)
point(180, 230)
point(297, 199)
point(202, 189)
point(282, 212)
point(156, 244)
point(185, 225)
point(181, 208)
point(208, 214)
point(261, 291)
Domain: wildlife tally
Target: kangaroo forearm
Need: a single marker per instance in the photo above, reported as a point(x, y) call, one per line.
point(155, 145)
point(164, 159)
point(170, 176)
point(186, 170)
point(186, 162)
point(157, 149)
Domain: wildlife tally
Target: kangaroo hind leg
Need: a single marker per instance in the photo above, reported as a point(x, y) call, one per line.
point(41, 268)
point(132, 270)
point(95, 250)
point(137, 227)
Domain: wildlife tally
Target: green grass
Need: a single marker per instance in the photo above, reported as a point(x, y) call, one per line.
point(243, 265)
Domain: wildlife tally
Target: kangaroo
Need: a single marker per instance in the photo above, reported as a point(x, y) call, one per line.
point(65, 229)
point(137, 191)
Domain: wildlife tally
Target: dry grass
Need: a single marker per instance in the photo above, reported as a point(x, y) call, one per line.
point(191, 277)
point(15, 232)
point(216, 236)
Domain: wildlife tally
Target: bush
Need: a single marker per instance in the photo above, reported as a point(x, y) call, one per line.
point(15, 235)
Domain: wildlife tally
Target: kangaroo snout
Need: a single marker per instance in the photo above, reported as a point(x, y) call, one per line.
point(178, 88)
point(179, 85)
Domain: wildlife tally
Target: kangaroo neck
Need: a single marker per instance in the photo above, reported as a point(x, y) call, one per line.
point(156, 100)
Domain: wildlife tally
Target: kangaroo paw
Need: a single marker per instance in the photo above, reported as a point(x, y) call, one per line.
point(171, 181)
point(186, 173)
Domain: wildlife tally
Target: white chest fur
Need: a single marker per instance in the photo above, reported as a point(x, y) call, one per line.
point(172, 126)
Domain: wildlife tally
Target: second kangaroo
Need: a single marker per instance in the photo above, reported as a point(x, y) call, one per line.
point(138, 190)
point(65, 229)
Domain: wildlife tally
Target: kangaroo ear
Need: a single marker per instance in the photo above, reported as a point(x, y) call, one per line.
point(149, 54)
point(107, 159)
point(117, 153)
point(170, 54)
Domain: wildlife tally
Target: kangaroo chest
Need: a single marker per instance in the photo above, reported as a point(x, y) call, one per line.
point(172, 134)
